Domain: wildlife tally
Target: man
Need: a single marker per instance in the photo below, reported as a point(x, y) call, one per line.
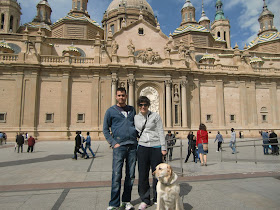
point(20, 141)
point(220, 139)
point(31, 143)
point(273, 140)
point(78, 143)
point(191, 147)
point(265, 142)
point(233, 141)
point(120, 120)
point(1, 137)
point(171, 141)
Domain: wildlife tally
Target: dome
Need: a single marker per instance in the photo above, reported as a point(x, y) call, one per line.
point(187, 4)
point(143, 4)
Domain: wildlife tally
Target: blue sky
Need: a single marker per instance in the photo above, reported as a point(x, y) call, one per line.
point(243, 14)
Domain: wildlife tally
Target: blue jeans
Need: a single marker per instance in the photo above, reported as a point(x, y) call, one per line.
point(265, 149)
point(123, 153)
point(232, 146)
point(88, 147)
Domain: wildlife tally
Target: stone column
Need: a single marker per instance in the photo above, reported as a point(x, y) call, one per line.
point(184, 104)
point(273, 102)
point(252, 104)
point(243, 104)
point(168, 103)
point(65, 103)
point(94, 101)
point(220, 103)
point(18, 102)
point(195, 105)
point(114, 89)
point(131, 92)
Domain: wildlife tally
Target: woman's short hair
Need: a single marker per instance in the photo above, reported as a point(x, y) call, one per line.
point(87, 133)
point(202, 127)
point(143, 99)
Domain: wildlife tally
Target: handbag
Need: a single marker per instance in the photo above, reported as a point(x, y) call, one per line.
point(143, 128)
point(205, 145)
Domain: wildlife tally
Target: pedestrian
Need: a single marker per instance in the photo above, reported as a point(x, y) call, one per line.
point(83, 146)
point(191, 146)
point(265, 138)
point(20, 141)
point(151, 148)
point(220, 139)
point(25, 137)
point(31, 143)
point(171, 141)
point(232, 143)
point(273, 140)
point(5, 137)
point(202, 144)
point(78, 143)
point(1, 137)
point(119, 119)
point(88, 146)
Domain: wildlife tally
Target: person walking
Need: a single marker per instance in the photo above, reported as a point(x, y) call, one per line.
point(5, 137)
point(273, 140)
point(1, 137)
point(191, 147)
point(265, 138)
point(31, 143)
point(78, 143)
point(119, 119)
point(88, 146)
point(151, 148)
point(20, 141)
point(232, 143)
point(202, 138)
point(171, 141)
point(220, 139)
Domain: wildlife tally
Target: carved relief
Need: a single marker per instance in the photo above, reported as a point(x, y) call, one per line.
point(114, 81)
point(167, 50)
point(168, 83)
point(149, 56)
point(182, 50)
point(153, 95)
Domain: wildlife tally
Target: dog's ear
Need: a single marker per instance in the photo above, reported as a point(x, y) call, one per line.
point(169, 170)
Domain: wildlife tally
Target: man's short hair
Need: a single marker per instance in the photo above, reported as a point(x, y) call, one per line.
point(169, 132)
point(121, 89)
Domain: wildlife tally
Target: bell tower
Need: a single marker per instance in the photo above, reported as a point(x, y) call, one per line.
point(266, 20)
point(80, 6)
point(43, 12)
point(188, 13)
point(10, 12)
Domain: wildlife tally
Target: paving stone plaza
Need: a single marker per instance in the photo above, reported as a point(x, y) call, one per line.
point(48, 178)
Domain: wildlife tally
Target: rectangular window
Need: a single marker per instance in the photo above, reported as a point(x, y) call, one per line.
point(113, 28)
point(176, 115)
point(232, 118)
point(49, 117)
point(81, 117)
point(140, 31)
point(208, 118)
point(3, 117)
point(264, 118)
point(78, 5)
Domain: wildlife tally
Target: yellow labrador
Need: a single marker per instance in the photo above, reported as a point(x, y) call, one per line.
point(168, 189)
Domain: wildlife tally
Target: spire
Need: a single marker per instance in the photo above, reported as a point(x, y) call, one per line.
point(203, 15)
point(266, 20)
point(188, 13)
point(43, 12)
point(80, 6)
point(219, 11)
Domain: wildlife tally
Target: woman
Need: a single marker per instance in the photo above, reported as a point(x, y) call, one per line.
point(151, 148)
point(202, 138)
point(191, 147)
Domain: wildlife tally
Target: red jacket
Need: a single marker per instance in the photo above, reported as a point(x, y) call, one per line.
point(31, 142)
point(201, 135)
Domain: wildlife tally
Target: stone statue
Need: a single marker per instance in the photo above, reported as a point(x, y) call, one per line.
point(182, 50)
point(131, 48)
point(115, 48)
point(167, 50)
point(176, 94)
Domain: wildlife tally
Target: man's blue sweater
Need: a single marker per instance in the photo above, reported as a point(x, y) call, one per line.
point(123, 129)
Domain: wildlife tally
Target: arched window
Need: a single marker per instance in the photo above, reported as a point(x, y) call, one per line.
point(78, 5)
point(190, 16)
point(11, 22)
point(225, 37)
point(112, 28)
point(266, 25)
point(2, 21)
point(219, 34)
point(186, 16)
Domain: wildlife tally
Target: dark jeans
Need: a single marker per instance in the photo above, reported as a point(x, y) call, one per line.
point(189, 153)
point(127, 154)
point(169, 152)
point(219, 145)
point(20, 146)
point(148, 158)
point(30, 148)
point(88, 147)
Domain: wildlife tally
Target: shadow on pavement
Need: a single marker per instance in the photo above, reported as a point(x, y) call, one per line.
point(36, 160)
point(185, 188)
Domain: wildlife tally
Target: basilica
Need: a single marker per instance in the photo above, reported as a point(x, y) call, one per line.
point(60, 77)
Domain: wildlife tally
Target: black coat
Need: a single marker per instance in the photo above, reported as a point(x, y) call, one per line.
point(273, 138)
point(20, 140)
point(78, 140)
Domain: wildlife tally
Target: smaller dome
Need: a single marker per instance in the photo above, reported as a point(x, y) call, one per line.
point(187, 4)
point(203, 18)
point(44, 2)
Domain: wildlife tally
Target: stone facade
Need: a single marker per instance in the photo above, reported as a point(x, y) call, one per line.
point(61, 77)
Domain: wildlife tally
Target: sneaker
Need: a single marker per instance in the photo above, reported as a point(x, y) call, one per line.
point(217, 151)
point(142, 206)
point(127, 205)
point(112, 208)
